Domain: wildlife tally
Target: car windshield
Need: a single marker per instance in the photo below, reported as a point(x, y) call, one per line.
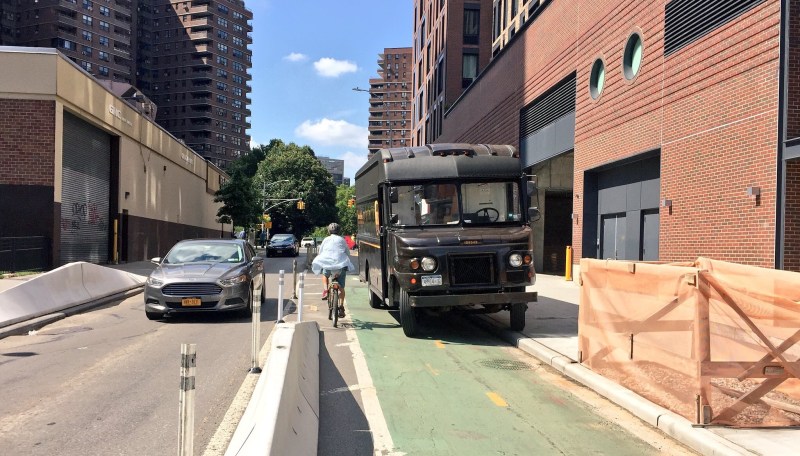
point(282, 238)
point(438, 204)
point(214, 252)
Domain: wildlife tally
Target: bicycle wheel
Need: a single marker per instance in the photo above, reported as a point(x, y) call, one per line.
point(330, 304)
point(335, 305)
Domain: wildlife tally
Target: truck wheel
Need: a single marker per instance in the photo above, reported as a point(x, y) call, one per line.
point(374, 301)
point(518, 316)
point(408, 318)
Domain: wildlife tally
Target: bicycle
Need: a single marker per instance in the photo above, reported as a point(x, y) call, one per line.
point(333, 297)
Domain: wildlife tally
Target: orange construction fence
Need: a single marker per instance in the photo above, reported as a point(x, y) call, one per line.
point(714, 342)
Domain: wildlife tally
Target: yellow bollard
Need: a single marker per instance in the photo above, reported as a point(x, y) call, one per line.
point(568, 268)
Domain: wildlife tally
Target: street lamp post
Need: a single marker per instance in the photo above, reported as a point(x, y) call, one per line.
point(264, 228)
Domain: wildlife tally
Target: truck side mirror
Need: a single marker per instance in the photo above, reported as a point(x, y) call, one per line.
point(394, 218)
point(531, 188)
point(393, 198)
point(533, 214)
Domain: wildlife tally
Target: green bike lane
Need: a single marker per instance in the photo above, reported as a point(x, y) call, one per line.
point(457, 390)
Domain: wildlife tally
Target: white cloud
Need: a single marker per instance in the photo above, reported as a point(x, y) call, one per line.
point(296, 57)
point(333, 133)
point(253, 143)
point(352, 163)
point(332, 68)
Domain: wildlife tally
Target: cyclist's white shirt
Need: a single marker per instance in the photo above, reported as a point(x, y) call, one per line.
point(333, 254)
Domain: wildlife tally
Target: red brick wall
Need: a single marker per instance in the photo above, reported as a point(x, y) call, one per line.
point(793, 62)
point(711, 108)
point(27, 142)
point(791, 247)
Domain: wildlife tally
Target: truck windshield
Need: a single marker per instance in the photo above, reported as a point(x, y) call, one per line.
point(438, 204)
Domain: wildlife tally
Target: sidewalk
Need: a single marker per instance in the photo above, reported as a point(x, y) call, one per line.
point(551, 334)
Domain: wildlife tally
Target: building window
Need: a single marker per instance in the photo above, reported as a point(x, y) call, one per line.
point(632, 58)
point(103, 40)
point(102, 71)
point(104, 11)
point(86, 66)
point(102, 56)
point(104, 26)
point(86, 35)
point(87, 20)
point(87, 51)
point(471, 25)
point(469, 69)
point(597, 78)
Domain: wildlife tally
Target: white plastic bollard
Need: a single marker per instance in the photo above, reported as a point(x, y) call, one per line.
point(188, 364)
point(280, 296)
point(294, 273)
point(254, 369)
point(300, 299)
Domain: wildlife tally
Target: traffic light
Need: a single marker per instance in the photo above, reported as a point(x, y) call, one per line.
point(267, 218)
point(301, 205)
point(351, 202)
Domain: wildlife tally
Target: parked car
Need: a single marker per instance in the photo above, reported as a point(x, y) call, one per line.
point(308, 242)
point(204, 275)
point(283, 244)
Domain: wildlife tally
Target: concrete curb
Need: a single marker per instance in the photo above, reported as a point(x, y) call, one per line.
point(283, 414)
point(677, 427)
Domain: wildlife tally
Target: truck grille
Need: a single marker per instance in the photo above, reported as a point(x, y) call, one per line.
point(191, 289)
point(472, 270)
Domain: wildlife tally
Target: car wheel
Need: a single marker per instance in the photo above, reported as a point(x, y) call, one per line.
point(154, 315)
point(248, 308)
point(518, 316)
point(408, 317)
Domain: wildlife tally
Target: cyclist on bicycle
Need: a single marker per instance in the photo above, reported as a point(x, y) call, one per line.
point(333, 254)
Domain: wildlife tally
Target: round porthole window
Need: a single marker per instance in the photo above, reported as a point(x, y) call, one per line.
point(597, 79)
point(632, 59)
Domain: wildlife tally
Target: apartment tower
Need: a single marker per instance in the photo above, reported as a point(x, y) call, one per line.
point(452, 44)
point(191, 58)
point(390, 101)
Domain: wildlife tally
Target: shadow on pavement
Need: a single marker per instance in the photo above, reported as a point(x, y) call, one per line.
point(343, 428)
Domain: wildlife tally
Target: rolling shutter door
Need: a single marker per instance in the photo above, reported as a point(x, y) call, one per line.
point(85, 192)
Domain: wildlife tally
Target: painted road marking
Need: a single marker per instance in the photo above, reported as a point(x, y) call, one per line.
point(381, 439)
point(430, 368)
point(343, 389)
point(439, 344)
point(497, 399)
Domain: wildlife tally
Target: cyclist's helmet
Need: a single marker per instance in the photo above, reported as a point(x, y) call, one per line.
point(333, 228)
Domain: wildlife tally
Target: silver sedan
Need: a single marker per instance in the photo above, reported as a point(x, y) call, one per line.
point(203, 276)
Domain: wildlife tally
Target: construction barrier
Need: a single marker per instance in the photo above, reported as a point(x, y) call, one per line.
point(714, 342)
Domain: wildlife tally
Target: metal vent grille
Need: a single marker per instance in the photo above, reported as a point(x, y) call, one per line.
point(555, 103)
point(688, 20)
point(472, 270)
point(504, 364)
point(191, 289)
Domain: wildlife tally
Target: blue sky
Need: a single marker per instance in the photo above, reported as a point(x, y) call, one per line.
point(307, 57)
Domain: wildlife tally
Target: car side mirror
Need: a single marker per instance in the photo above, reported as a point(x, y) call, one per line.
point(393, 197)
point(156, 260)
point(533, 214)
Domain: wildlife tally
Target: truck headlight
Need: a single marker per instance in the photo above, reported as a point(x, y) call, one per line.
point(428, 264)
point(515, 260)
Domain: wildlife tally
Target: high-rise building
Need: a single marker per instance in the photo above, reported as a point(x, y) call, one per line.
point(452, 45)
point(190, 57)
point(390, 100)
point(334, 166)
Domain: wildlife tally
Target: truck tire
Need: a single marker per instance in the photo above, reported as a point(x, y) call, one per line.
point(518, 316)
point(408, 317)
point(374, 301)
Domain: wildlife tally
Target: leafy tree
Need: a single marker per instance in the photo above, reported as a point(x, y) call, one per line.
point(346, 213)
point(240, 202)
point(291, 172)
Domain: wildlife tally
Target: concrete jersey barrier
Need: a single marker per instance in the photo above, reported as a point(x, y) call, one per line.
point(70, 285)
point(282, 416)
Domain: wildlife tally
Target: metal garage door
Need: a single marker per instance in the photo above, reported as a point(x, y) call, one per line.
point(85, 192)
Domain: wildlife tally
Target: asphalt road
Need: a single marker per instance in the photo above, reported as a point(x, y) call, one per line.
point(107, 381)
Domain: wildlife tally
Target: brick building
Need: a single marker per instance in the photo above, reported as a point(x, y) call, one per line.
point(452, 45)
point(390, 101)
point(659, 130)
point(190, 57)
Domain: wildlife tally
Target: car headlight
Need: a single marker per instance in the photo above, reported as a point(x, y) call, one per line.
point(155, 283)
point(233, 280)
point(515, 260)
point(428, 264)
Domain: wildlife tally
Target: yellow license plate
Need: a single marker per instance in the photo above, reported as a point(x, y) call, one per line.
point(189, 302)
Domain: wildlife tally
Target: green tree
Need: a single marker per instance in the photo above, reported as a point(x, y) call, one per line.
point(346, 213)
point(290, 172)
point(240, 202)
